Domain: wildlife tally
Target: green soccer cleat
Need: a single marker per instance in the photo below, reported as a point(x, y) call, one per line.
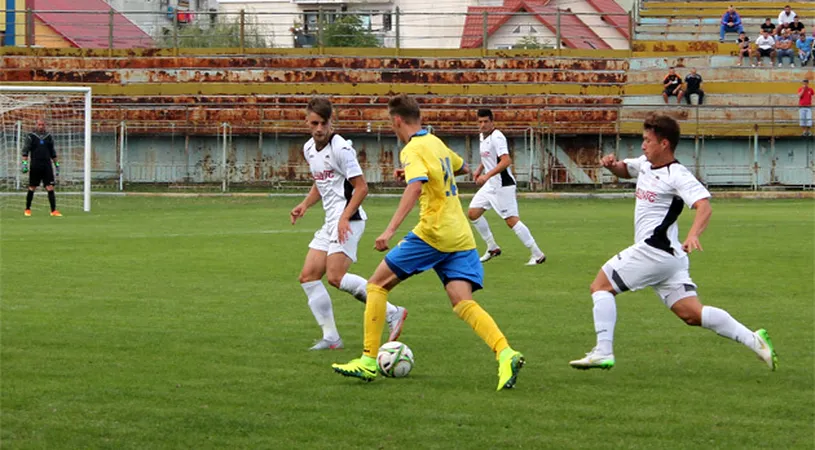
point(510, 363)
point(357, 368)
point(766, 351)
point(594, 360)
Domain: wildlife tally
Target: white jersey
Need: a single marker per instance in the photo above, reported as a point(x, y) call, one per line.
point(493, 146)
point(661, 194)
point(331, 168)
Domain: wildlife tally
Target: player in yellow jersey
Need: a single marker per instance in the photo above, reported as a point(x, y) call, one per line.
point(442, 241)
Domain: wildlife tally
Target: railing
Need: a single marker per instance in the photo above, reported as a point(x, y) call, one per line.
point(323, 26)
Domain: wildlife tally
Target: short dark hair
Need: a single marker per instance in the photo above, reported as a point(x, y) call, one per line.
point(405, 107)
point(485, 112)
point(664, 127)
point(320, 106)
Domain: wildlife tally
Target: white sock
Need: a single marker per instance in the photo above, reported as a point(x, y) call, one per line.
point(526, 237)
point(320, 304)
point(356, 286)
point(725, 325)
point(605, 317)
point(483, 228)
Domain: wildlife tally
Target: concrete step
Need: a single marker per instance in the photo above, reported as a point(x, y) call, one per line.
point(723, 100)
point(724, 87)
point(748, 22)
point(729, 74)
point(719, 129)
point(723, 5)
point(663, 63)
point(688, 36)
point(729, 114)
point(717, 13)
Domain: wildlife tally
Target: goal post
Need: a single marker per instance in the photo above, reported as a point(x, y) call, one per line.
point(22, 105)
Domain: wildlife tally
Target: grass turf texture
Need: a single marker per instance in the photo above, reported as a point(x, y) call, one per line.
point(166, 323)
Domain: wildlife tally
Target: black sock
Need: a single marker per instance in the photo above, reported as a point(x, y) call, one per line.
point(52, 199)
point(28, 198)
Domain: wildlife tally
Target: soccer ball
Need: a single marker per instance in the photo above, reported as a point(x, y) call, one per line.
point(394, 360)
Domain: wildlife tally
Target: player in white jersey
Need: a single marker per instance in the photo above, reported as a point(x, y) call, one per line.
point(340, 183)
point(497, 191)
point(658, 259)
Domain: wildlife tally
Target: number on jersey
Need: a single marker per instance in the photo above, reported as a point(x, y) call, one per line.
point(449, 178)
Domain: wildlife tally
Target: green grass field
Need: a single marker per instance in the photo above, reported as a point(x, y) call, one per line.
point(179, 323)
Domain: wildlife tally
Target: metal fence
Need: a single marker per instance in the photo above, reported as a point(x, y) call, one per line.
point(546, 156)
point(322, 26)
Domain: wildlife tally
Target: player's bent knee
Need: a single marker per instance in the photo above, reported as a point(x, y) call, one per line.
point(306, 277)
point(335, 279)
point(474, 214)
point(601, 283)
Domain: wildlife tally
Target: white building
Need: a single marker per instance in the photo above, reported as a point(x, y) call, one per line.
point(156, 16)
point(440, 23)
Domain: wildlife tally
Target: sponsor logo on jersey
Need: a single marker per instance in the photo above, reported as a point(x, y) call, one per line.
point(649, 196)
point(324, 175)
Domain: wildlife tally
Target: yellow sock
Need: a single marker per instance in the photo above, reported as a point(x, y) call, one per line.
point(482, 323)
point(375, 308)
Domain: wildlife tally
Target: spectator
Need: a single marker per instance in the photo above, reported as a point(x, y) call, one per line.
point(694, 86)
point(731, 22)
point(805, 108)
point(783, 47)
point(796, 27)
point(765, 46)
point(785, 18)
point(804, 45)
point(768, 26)
point(673, 86)
point(744, 47)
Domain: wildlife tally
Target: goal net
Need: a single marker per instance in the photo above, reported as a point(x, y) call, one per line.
point(66, 112)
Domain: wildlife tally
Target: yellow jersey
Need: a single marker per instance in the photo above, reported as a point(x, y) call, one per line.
point(442, 223)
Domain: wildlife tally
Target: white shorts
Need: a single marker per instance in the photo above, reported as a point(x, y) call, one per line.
point(325, 239)
point(641, 265)
point(805, 117)
point(501, 199)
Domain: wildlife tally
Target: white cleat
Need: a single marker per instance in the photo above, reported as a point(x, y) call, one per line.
point(533, 261)
point(324, 344)
point(766, 351)
point(491, 254)
point(396, 321)
point(594, 360)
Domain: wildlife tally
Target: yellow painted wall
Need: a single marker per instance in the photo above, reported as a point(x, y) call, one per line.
point(44, 36)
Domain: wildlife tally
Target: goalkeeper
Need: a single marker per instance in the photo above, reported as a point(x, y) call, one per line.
point(38, 153)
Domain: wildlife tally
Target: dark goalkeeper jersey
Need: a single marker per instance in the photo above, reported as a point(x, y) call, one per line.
point(39, 149)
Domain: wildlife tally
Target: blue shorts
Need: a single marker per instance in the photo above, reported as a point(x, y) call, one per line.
point(413, 256)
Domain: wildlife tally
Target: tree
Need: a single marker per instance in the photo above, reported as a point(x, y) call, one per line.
point(348, 31)
point(529, 42)
point(218, 34)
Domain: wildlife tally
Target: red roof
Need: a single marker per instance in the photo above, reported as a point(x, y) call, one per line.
point(574, 32)
point(620, 18)
point(88, 27)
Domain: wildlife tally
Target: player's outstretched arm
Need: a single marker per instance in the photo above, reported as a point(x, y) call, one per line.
point(700, 222)
point(618, 168)
point(300, 210)
point(406, 204)
point(360, 192)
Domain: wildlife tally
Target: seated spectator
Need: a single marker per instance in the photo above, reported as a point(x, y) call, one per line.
point(744, 47)
point(768, 26)
point(694, 86)
point(765, 46)
point(783, 48)
point(731, 22)
point(796, 27)
point(673, 86)
point(804, 45)
point(785, 18)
